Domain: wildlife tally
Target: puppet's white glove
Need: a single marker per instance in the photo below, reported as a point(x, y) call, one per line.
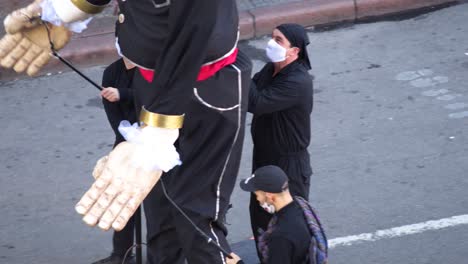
point(126, 176)
point(58, 12)
point(26, 46)
point(100, 165)
point(29, 50)
point(118, 190)
point(23, 18)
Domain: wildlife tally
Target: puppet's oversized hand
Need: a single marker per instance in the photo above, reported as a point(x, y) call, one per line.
point(29, 50)
point(26, 46)
point(23, 18)
point(119, 189)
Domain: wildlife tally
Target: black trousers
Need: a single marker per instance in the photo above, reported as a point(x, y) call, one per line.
point(210, 146)
point(298, 169)
point(177, 240)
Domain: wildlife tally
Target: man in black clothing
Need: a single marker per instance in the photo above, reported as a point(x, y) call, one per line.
point(281, 100)
point(118, 101)
point(287, 239)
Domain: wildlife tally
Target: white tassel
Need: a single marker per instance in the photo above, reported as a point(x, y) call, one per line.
point(64, 13)
point(155, 149)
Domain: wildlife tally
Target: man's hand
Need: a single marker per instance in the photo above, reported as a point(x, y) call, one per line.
point(118, 190)
point(111, 94)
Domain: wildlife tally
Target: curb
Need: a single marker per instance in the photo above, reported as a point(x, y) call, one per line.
point(96, 45)
point(319, 12)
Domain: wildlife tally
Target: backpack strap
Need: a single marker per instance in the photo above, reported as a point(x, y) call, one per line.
point(264, 237)
point(318, 248)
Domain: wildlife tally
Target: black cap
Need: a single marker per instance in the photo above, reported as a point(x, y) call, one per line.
point(297, 36)
point(271, 179)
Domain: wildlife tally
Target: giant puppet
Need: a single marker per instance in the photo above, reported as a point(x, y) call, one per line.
point(191, 95)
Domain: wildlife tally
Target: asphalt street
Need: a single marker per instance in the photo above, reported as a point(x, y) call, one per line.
point(389, 149)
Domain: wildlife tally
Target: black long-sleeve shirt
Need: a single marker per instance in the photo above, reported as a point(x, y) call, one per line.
point(117, 76)
point(281, 106)
point(290, 240)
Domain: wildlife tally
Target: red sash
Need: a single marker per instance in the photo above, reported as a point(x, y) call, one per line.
point(206, 71)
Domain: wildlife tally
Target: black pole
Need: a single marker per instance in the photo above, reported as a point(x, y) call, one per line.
point(76, 70)
point(138, 249)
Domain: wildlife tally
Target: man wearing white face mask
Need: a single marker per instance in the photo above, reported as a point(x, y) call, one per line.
point(294, 234)
point(281, 100)
point(291, 235)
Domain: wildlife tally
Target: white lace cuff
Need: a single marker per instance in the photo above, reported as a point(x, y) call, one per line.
point(64, 13)
point(155, 146)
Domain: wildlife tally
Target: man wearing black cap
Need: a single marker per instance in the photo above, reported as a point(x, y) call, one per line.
point(281, 100)
point(288, 237)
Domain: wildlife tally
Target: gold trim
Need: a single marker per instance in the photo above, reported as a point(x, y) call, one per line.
point(87, 7)
point(160, 120)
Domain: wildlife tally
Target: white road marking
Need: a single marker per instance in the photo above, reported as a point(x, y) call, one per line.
point(422, 82)
point(425, 72)
point(426, 82)
point(441, 79)
point(407, 76)
point(400, 231)
point(435, 92)
point(456, 106)
point(459, 115)
point(411, 75)
point(448, 97)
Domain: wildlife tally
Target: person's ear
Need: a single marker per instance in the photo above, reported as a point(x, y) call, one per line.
point(270, 197)
point(296, 51)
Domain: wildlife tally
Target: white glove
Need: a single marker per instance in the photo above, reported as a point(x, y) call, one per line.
point(155, 149)
point(118, 190)
point(126, 176)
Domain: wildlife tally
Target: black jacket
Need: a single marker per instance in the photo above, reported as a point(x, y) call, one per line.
point(289, 242)
point(281, 131)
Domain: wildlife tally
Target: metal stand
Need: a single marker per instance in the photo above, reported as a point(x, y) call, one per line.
point(138, 248)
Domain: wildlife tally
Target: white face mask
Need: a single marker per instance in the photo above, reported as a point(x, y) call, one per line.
point(268, 207)
point(275, 52)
